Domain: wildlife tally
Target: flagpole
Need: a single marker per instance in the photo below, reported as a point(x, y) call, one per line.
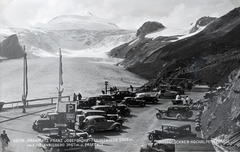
point(60, 80)
point(24, 81)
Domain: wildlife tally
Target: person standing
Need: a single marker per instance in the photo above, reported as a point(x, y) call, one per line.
point(79, 96)
point(4, 140)
point(74, 97)
point(178, 97)
point(131, 88)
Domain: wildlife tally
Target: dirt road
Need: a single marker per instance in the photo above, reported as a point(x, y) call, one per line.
point(132, 136)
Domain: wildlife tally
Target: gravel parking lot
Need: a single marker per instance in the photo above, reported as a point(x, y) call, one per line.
point(130, 139)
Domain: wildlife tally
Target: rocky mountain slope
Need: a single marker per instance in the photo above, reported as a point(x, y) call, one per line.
point(10, 48)
point(207, 56)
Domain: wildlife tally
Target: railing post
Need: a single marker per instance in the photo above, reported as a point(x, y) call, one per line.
point(68, 98)
point(51, 100)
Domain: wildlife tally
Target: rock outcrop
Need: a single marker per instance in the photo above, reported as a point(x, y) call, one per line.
point(149, 27)
point(202, 22)
point(10, 48)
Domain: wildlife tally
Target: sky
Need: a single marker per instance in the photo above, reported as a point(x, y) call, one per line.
point(126, 14)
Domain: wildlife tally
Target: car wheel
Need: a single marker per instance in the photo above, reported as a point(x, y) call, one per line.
point(127, 113)
point(159, 116)
point(151, 137)
point(155, 101)
point(117, 128)
point(179, 118)
point(33, 127)
point(40, 129)
point(91, 130)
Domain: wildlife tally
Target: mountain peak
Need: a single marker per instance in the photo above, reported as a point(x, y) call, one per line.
point(82, 21)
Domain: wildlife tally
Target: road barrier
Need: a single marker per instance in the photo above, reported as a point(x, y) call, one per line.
point(19, 103)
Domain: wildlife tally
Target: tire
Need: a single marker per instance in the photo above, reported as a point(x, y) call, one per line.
point(154, 101)
point(159, 116)
point(179, 118)
point(151, 137)
point(34, 127)
point(91, 130)
point(40, 129)
point(142, 104)
point(127, 113)
point(117, 128)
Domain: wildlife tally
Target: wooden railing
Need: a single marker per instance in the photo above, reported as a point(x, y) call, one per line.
point(15, 103)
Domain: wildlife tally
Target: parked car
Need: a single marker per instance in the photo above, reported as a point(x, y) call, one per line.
point(147, 98)
point(88, 102)
point(70, 140)
point(178, 112)
point(177, 88)
point(167, 94)
point(171, 131)
point(83, 114)
point(164, 145)
point(129, 101)
point(123, 110)
point(40, 124)
point(120, 95)
point(100, 123)
point(108, 109)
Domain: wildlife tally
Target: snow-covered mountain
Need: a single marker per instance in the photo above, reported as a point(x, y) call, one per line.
point(77, 35)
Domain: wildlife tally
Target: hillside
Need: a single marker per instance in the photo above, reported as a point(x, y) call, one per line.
point(207, 56)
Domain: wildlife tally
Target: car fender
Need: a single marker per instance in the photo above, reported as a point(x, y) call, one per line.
point(114, 124)
point(180, 115)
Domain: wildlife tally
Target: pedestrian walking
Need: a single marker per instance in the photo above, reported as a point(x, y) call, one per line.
point(4, 140)
point(79, 96)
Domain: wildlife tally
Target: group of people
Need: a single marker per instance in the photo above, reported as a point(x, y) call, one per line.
point(185, 100)
point(4, 140)
point(77, 97)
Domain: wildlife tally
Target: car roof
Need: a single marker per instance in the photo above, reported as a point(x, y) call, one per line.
point(179, 106)
point(94, 117)
point(176, 125)
point(100, 106)
point(89, 110)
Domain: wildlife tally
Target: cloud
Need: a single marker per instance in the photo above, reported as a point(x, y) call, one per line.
point(128, 14)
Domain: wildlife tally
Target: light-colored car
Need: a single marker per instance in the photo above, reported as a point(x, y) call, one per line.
point(167, 94)
point(100, 123)
point(159, 146)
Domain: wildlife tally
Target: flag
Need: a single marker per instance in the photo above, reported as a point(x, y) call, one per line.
point(60, 69)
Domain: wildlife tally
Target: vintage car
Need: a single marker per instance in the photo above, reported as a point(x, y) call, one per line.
point(178, 112)
point(171, 131)
point(88, 102)
point(41, 123)
point(108, 109)
point(129, 101)
point(100, 123)
point(66, 140)
point(166, 94)
point(123, 110)
point(120, 109)
point(160, 146)
point(177, 88)
point(147, 98)
point(82, 114)
point(119, 95)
